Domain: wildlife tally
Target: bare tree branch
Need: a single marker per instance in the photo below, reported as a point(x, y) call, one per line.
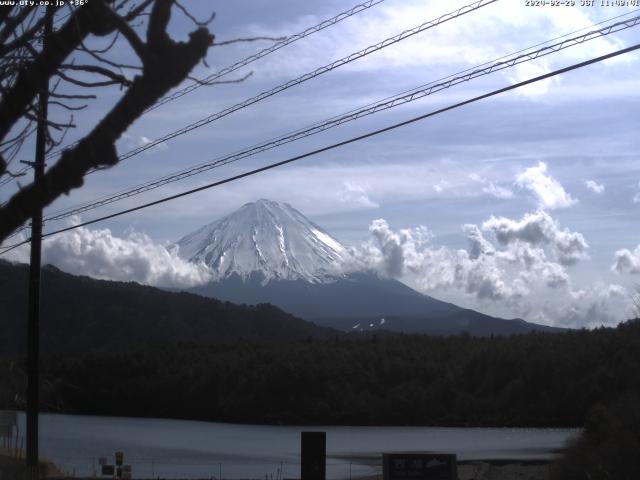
point(71, 97)
point(166, 64)
point(23, 39)
point(82, 83)
point(98, 70)
point(127, 32)
point(4, 14)
point(11, 23)
point(68, 107)
point(96, 54)
point(137, 11)
point(102, 50)
point(19, 135)
point(60, 45)
point(197, 23)
point(49, 123)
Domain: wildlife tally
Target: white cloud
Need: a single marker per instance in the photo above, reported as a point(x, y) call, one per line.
point(356, 194)
point(100, 254)
point(479, 37)
point(540, 229)
point(393, 253)
point(440, 186)
point(491, 188)
point(547, 190)
point(160, 147)
point(526, 71)
point(522, 276)
point(133, 142)
point(627, 261)
point(497, 191)
point(479, 246)
point(597, 305)
point(594, 186)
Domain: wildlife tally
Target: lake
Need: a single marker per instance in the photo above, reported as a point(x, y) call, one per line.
point(190, 449)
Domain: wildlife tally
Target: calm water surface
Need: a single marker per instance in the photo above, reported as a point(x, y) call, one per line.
point(188, 449)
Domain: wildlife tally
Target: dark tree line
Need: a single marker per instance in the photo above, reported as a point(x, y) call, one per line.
point(118, 316)
point(536, 380)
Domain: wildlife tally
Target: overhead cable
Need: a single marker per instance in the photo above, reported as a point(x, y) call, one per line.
point(252, 58)
point(313, 74)
point(333, 20)
point(338, 144)
point(263, 53)
point(388, 103)
point(9, 177)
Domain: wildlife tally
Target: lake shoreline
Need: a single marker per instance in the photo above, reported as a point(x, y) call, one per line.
point(310, 425)
point(195, 450)
point(485, 469)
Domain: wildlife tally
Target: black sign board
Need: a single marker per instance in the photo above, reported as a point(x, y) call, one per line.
point(108, 470)
point(313, 456)
point(419, 466)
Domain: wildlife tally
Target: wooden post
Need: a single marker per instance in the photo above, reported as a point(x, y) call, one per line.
point(33, 322)
point(313, 457)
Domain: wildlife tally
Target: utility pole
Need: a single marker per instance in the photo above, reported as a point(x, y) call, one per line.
point(33, 321)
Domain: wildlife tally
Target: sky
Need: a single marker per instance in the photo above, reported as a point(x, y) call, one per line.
point(521, 205)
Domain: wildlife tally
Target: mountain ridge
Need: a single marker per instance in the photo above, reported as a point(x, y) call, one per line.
point(269, 252)
point(79, 313)
point(364, 299)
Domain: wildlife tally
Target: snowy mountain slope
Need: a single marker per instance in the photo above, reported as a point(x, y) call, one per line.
point(269, 252)
point(267, 238)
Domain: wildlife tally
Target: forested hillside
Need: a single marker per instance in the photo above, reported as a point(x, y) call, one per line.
point(80, 314)
point(539, 379)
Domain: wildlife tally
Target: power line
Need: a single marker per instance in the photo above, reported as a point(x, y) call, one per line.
point(291, 39)
point(339, 144)
point(9, 177)
point(263, 53)
point(252, 58)
point(308, 76)
point(303, 78)
point(388, 103)
point(352, 11)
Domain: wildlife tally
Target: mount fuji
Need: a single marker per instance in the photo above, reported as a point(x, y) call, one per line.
point(269, 252)
point(268, 239)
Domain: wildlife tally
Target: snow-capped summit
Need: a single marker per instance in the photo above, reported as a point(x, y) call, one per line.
point(268, 238)
point(268, 252)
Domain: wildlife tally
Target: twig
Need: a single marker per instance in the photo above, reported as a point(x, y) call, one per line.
point(248, 39)
point(198, 23)
point(99, 71)
point(82, 83)
point(68, 107)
